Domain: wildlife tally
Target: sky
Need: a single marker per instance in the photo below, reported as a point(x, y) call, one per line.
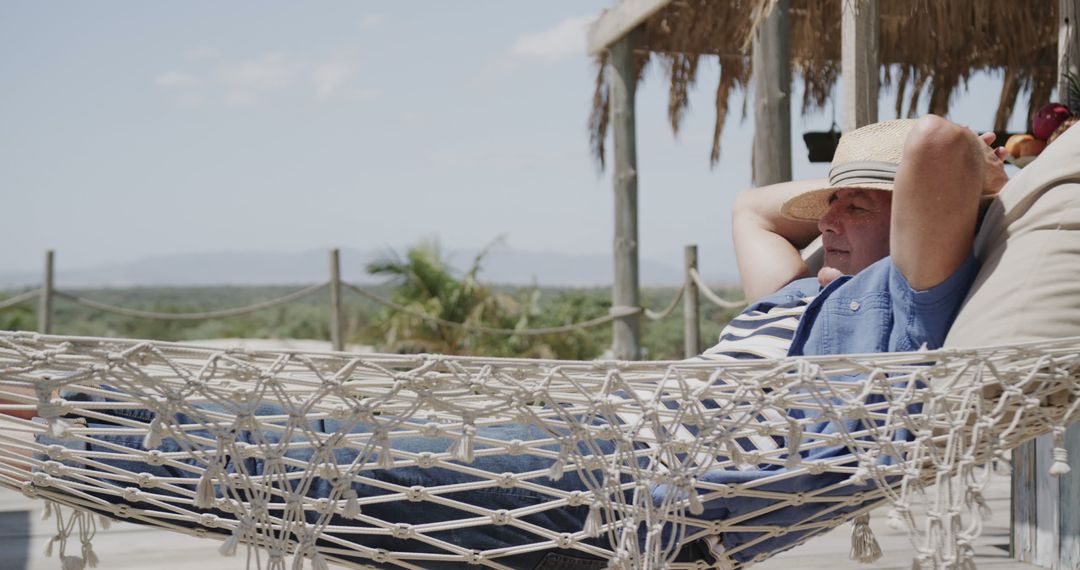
point(131, 129)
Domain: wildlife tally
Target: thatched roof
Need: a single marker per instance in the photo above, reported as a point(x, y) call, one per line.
point(929, 48)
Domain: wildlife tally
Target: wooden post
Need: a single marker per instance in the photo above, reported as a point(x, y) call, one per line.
point(336, 320)
point(1045, 520)
point(1068, 45)
point(859, 63)
point(691, 308)
point(772, 98)
point(1069, 494)
point(622, 82)
point(45, 300)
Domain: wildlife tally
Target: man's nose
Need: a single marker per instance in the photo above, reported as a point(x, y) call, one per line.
point(828, 222)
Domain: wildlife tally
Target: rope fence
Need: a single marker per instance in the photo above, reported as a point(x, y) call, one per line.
point(196, 316)
point(692, 285)
point(20, 298)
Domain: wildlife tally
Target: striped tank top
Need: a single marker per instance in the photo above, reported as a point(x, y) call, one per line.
point(765, 332)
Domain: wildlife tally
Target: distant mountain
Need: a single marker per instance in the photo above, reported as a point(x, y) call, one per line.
point(508, 267)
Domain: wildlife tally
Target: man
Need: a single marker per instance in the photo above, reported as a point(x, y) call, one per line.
point(897, 265)
point(897, 239)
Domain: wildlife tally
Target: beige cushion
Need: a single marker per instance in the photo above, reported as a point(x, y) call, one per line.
point(1029, 246)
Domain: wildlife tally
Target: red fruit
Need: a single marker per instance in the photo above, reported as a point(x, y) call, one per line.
point(1048, 119)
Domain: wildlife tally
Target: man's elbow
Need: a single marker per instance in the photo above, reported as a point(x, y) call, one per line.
point(939, 140)
point(746, 203)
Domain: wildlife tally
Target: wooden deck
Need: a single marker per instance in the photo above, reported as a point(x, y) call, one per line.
point(127, 546)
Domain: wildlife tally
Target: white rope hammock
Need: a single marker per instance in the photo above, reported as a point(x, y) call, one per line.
point(326, 456)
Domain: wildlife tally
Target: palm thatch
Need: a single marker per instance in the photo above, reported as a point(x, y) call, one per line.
point(928, 50)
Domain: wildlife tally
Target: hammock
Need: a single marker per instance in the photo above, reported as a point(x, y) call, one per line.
point(328, 456)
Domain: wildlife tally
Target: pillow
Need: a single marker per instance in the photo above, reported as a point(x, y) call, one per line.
point(1029, 247)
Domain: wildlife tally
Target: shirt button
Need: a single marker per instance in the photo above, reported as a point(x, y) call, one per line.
point(854, 306)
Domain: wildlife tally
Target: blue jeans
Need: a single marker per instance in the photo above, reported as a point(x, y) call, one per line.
point(564, 519)
point(483, 537)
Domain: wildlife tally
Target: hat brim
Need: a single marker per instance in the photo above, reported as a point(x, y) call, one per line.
point(812, 204)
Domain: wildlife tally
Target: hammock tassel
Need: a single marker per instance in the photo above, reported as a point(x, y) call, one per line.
point(89, 555)
point(352, 505)
point(794, 457)
point(864, 545)
point(49, 546)
point(318, 562)
point(153, 435)
point(104, 522)
point(204, 491)
point(696, 508)
point(228, 548)
point(593, 522)
point(1061, 454)
point(47, 511)
point(555, 472)
point(463, 448)
point(385, 460)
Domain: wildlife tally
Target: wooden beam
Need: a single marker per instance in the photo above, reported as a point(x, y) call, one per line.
point(1068, 45)
point(772, 98)
point(859, 63)
point(622, 83)
point(615, 23)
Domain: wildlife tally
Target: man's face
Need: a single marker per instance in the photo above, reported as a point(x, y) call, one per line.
point(855, 229)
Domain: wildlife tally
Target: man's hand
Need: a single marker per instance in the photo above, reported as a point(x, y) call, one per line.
point(828, 275)
point(994, 177)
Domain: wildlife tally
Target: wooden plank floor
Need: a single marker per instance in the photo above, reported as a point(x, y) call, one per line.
point(127, 546)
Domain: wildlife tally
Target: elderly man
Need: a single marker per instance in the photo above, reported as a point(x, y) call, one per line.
point(897, 239)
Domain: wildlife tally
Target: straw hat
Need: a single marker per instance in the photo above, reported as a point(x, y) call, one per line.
point(866, 158)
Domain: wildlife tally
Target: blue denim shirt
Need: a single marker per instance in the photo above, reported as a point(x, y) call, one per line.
point(874, 311)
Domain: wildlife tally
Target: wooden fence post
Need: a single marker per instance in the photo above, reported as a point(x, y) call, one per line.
point(625, 292)
point(45, 300)
point(691, 308)
point(336, 320)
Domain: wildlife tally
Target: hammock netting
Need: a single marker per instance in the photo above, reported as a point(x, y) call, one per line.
point(388, 460)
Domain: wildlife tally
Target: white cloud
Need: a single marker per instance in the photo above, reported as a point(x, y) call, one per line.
point(562, 41)
point(248, 81)
point(177, 80)
point(330, 77)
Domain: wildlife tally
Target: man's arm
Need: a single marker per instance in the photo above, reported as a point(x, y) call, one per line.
point(766, 243)
point(945, 169)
